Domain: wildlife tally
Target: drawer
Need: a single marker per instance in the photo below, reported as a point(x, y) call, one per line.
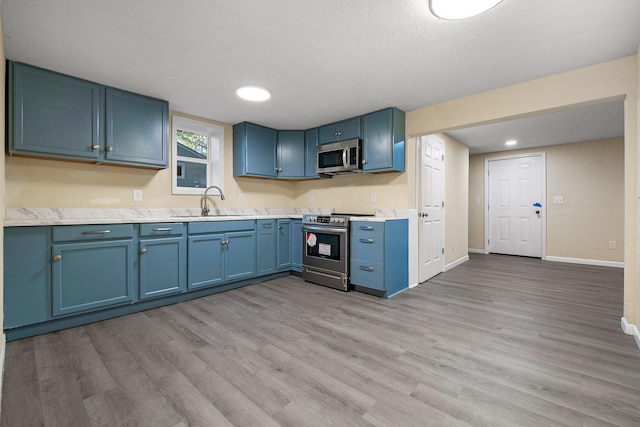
point(221, 226)
point(367, 227)
point(367, 247)
point(367, 274)
point(69, 233)
point(265, 224)
point(161, 229)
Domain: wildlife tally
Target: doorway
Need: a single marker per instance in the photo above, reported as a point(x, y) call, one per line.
point(515, 204)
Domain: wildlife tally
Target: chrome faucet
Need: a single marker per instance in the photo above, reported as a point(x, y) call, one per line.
point(205, 206)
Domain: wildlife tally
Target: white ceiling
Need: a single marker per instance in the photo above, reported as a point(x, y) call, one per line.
point(323, 60)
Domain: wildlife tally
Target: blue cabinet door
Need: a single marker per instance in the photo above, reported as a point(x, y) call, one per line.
point(340, 131)
point(91, 275)
point(27, 275)
point(310, 152)
point(284, 244)
point(205, 265)
point(52, 114)
point(296, 245)
point(265, 246)
point(137, 129)
point(240, 252)
point(162, 267)
point(254, 150)
point(383, 141)
point(291, 154)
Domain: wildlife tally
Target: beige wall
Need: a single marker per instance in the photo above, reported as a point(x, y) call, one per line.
point(590, 177)
point(63, 184)
point(456, 189)
point(601, 82)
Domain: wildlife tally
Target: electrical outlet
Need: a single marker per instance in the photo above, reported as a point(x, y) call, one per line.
point(476, 200)
point(613, 244)
point(374, 197)
point(241, 197)
point(558, 200)
point(137, 195)
point(310, 198)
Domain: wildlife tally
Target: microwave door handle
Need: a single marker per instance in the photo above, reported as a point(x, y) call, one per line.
point(344, 157)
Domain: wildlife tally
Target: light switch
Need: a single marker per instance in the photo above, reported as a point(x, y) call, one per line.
point(476, 200)
point(613, 244)
point(558, 200)
point(374, 197)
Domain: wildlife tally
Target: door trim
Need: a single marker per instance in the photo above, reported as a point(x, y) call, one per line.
point(543, 160)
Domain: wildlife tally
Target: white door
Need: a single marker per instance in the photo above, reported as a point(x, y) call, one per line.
point(515, 206)
point(431, 224)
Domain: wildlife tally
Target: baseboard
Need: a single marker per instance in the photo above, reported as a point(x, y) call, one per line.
point(456, 263)
point(476, 251)
point(630, 329)
point(598, 262)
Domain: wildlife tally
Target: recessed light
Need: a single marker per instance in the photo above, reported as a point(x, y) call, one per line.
point(511, 142)
point(460, 9)
point(253, 93)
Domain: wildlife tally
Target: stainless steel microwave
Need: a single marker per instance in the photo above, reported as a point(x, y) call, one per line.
point(339, 157)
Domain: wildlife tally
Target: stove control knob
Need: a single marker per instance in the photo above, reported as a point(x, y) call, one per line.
point(341, 220)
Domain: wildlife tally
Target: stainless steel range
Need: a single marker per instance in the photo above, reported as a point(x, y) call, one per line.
point(325, 259)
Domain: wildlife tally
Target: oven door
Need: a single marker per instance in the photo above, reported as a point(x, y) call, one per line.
point(325, 258)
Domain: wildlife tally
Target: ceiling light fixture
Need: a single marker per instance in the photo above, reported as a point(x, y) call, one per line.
point(460, 9)
point(253, 93)
point(511, 142)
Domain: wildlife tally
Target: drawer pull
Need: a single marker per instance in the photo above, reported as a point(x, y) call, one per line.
point(95, 147)
point(267, 225)
point(143, 251)
point(57, 258)
point(366, 268)
point(366, 227)
point(85, 233)
point(162, 229)
point(366, 240)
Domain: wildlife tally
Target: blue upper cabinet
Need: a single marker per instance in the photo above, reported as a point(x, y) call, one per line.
point(137, 129)
point(310, 145)
point(291, 154)
point(383, 141)
point(52, 114)
point(340, 131)
point(254, 150)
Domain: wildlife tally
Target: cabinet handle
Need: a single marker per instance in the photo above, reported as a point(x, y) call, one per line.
point(339, 133)
point(224, 242)
point(366, 227)
point(162, 229)
point(280, 228)
point(364, 162)
point(267, 225)
point(143, 251)
point(109, 148)
point(366, 268)
point(57, 258)
point(84, 233)
point(366, 240)
point(95, 147)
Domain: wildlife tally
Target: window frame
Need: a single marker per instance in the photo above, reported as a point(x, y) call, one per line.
point(214, 161)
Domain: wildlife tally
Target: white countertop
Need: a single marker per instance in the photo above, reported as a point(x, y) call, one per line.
point(20, 217)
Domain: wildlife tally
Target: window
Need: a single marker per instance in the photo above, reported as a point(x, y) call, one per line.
point(197, 155)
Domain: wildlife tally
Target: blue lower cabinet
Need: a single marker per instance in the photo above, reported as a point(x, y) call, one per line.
point(296, 245)
point(265, 246)
point(205, 264)
point(27, 276)
point(91, 275)
point(284, 244)
point(240, 252)
point(380, 256)
point(219, 252)
point(162, 267)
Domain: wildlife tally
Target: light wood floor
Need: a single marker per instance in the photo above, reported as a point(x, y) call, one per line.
point(497, 341)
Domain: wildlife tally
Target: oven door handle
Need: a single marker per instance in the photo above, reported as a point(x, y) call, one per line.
point(324, 229)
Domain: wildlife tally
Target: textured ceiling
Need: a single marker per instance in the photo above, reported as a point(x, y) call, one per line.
point(322, 60)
